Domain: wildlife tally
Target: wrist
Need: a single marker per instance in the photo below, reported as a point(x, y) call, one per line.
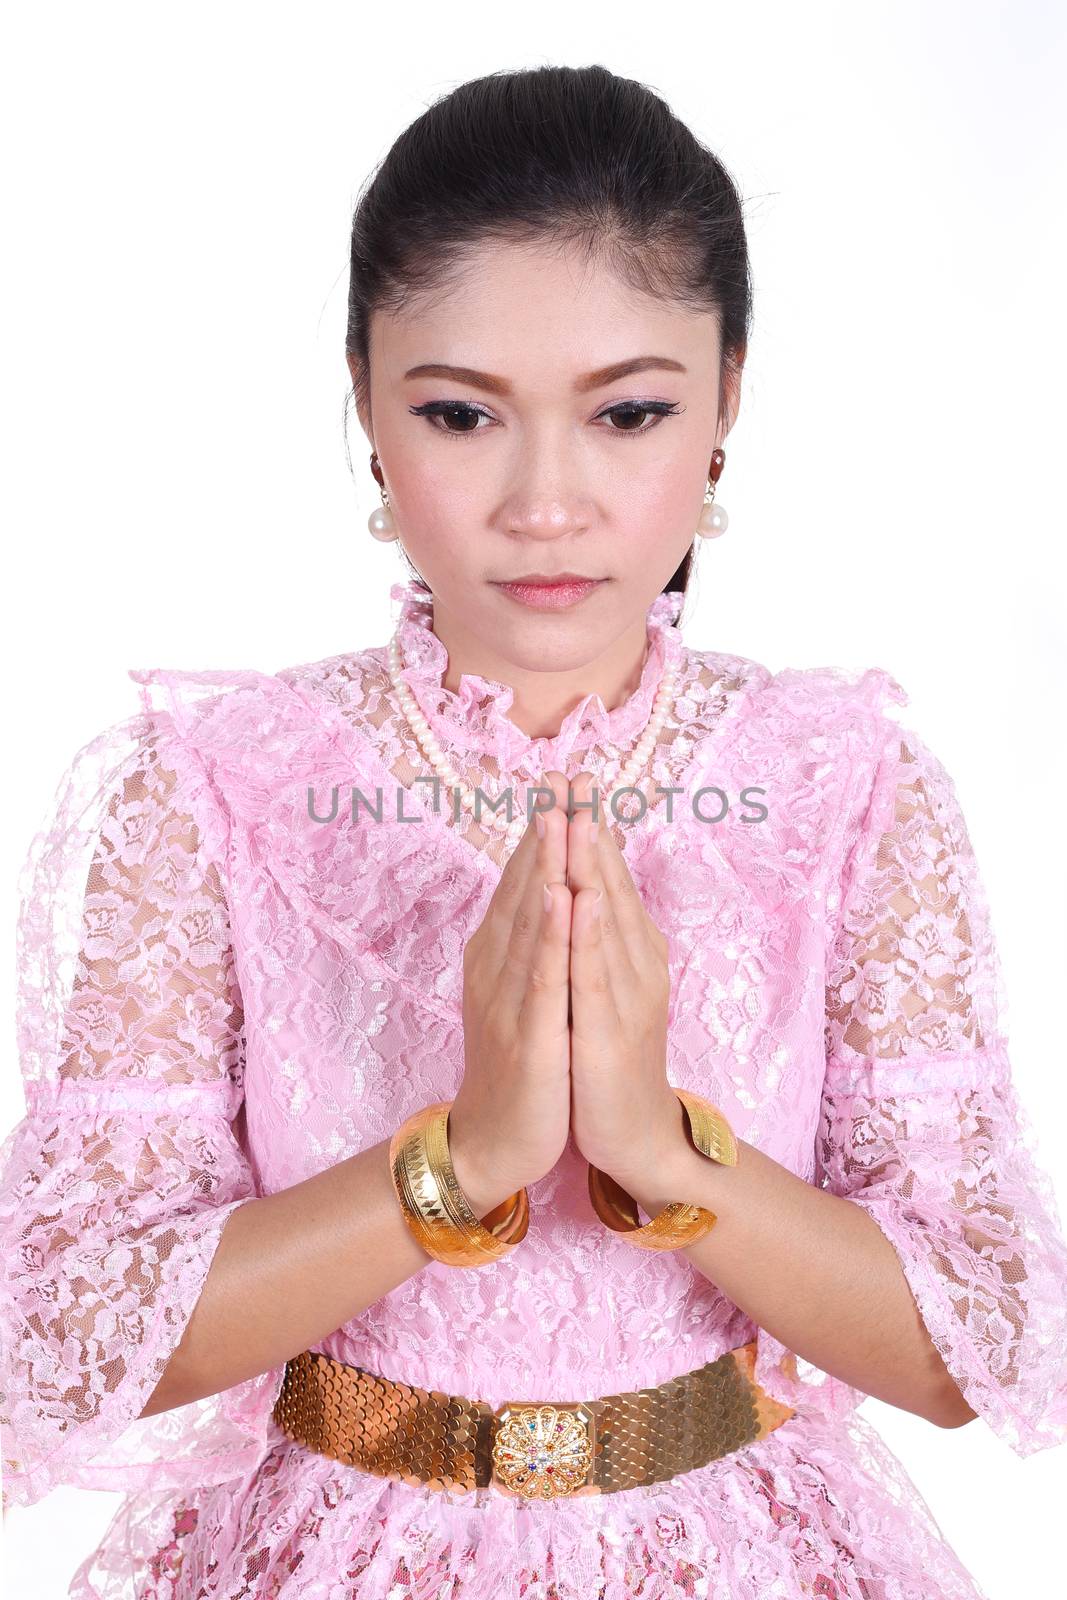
point(686, 1181)
point(484, 1192)
point(677, 1172)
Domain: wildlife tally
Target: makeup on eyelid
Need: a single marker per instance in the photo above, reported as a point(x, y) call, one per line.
point(434, 409)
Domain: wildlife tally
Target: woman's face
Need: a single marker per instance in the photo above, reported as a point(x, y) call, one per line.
point(531, 457)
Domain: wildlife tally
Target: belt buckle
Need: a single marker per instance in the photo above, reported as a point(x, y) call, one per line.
point(544, 1449)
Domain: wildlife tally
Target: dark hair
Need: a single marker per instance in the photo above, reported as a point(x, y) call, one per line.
point(574, 155)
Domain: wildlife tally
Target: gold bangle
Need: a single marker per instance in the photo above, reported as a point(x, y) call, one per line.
point(679, 1223)
point(433, 1203)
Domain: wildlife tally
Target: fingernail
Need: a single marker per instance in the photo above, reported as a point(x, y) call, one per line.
point(548, 899)
point(596, 902)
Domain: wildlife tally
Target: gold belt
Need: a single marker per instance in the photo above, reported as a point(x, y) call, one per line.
point(532, 1448)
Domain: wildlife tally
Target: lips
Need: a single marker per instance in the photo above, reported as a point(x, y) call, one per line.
point(550, 578)
point(557, 595)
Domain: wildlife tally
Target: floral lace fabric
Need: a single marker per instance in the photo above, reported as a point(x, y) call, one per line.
point(221, 993)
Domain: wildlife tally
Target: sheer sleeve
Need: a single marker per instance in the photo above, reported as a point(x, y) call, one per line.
point(117, 1183)
point(920, 1122)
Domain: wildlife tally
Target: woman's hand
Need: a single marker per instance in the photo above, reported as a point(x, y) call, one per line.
point(626, 1118)
point(510, 1119)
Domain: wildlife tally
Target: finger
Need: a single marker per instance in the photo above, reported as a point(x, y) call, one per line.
point(583, 862)
point(520, 917)
point(595, 1017)
point(515, 873)
point(544, 1006)
point(623, 906)
point(585, 870)
point(544, 993)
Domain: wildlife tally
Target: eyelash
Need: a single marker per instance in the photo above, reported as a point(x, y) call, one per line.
point(436, 408)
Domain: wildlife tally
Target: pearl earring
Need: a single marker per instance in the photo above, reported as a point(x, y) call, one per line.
point(713, 519)
point(381, 522)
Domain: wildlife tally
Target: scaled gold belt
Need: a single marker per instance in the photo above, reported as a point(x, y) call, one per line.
point(537, 1449)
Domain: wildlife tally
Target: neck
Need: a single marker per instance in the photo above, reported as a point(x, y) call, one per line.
point(543, 697)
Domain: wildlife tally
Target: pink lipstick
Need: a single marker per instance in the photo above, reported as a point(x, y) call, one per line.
point(555, 595)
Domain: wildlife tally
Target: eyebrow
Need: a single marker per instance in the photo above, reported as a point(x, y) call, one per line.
point(582, 385)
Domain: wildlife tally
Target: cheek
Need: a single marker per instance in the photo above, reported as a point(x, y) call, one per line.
point(655, 518)
point(665, 496)
point(437, 503)
point(429, 487)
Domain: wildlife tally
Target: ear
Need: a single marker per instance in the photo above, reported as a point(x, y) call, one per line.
point(730, 402)
point(356, 373)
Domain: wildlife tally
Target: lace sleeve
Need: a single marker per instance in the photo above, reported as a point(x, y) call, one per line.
point(117, 1183)
point(920, 1122)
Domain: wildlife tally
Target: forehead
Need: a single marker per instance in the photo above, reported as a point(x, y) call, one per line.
point(539, 308)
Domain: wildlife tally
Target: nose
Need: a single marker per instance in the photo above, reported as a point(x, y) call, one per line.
point(546, 518)
point(548, 496)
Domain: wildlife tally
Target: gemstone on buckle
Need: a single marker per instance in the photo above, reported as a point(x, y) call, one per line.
point(544, 1449)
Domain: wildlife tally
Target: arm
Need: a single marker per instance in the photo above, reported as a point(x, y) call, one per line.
point(927, 1179)
point(293, 1267)
point(125, 1180)
point(817, 1272)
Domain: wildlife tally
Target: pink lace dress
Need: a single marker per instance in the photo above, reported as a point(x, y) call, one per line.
point(221, 995)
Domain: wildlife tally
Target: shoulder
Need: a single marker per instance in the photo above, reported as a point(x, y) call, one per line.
point(261, 737)
point(349, 675)
point(828, 708)
point(214, 708)
point(821, 745)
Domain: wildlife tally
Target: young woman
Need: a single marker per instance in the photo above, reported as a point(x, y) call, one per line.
point(423, 1192)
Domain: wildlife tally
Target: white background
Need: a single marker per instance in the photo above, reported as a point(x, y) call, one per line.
point(177, 192)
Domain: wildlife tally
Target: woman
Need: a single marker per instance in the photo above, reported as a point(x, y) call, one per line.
point(345, 1103)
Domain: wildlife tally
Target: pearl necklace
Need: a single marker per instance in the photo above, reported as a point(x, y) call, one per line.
point(496, 821)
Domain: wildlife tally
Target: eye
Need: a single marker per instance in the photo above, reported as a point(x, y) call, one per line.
point(450, 409)
point(629, 409)
point(457, 418)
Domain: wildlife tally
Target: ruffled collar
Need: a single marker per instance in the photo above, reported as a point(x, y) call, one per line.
point(473, 719)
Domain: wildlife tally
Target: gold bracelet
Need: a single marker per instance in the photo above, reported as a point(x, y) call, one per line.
point(679, 1223)
point(433, 1203)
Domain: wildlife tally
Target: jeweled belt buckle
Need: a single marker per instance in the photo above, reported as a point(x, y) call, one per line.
point(544, 1449)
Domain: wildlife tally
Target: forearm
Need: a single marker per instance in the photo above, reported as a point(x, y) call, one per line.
point(292, 1267)
point(816, 1272)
